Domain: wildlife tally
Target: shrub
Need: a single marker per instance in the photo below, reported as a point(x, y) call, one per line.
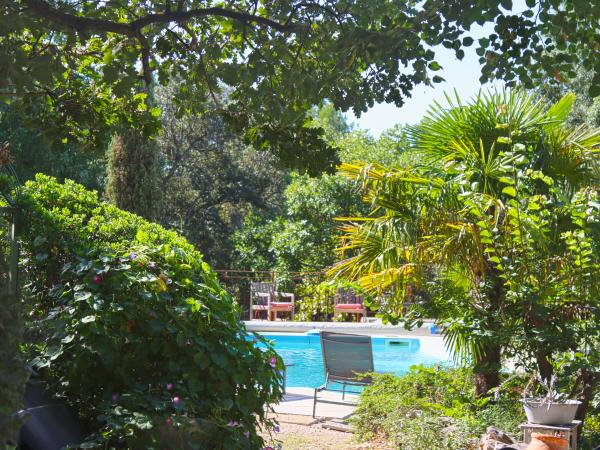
point(315, 299)
point(590, 434)
point(431, 407)
point(134, 330)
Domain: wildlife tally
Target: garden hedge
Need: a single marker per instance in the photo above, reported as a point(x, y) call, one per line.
point(131, 328)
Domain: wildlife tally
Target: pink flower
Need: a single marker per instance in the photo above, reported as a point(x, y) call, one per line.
point(176, 400)
point(268, 448)
point(273, 362)
point(169, 386)
point(169, 422)
point(97, 279)
point(233, 424)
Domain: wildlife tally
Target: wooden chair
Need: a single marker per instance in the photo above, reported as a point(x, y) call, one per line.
point(264, 297)
point(349, 302)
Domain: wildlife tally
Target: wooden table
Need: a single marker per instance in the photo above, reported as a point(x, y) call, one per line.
point(568, 431)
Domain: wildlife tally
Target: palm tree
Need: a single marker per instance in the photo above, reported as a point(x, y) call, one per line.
point(445, 215)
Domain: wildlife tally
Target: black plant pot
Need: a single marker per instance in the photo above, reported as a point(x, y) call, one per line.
point(49, 424)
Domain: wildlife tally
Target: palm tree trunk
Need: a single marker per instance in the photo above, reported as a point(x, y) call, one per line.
point(487, 369)
point(488, 363)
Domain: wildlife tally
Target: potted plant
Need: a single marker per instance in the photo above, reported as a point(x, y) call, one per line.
point(551, 409)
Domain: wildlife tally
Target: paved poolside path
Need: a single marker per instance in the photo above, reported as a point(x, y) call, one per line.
point(299, 401)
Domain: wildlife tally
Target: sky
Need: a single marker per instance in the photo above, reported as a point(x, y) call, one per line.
point(460, 75)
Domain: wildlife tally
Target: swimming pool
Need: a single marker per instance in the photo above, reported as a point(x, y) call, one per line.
point(390, 354)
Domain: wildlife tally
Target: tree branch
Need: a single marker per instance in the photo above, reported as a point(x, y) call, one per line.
point(43, 9)
point(145, 54)
point(185, 16)
point(131, 29)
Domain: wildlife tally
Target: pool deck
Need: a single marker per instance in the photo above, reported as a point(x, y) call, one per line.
point(298, 401)
point(369, 328)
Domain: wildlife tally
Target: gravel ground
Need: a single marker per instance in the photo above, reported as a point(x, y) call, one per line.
point(302, 437)
point(294, 436)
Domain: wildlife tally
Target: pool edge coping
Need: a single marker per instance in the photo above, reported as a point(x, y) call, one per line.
point(371, 329)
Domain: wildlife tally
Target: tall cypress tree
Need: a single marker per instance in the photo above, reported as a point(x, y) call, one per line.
point(134, 174)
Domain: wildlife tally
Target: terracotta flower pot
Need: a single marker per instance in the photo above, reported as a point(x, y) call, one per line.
point(547, 442)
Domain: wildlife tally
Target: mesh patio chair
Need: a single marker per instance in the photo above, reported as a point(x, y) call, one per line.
point(349, 302)
point(344, 356)
point(264, 297)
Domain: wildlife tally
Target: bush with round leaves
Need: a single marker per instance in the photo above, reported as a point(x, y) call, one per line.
point(134, 331)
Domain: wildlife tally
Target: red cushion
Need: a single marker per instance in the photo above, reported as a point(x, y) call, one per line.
point(281, 304)
point(349, 306)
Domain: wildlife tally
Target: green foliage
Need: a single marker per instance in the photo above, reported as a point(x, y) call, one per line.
point(431, 407)
point(212, 180)
point(332, 121)
point(134, 331)
point(13, 373)
point(253, 243)
point(590, 433)
point(35, 148)
point(501, 228)
point(279, 60)
point(586, 108)
point(390, 149)
point(315, 299)
point(134, 174)
point(75, 112)
point(304, 238)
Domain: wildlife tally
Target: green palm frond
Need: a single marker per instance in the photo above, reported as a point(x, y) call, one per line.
point(437, 216)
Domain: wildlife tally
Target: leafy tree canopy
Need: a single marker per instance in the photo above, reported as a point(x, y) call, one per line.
point(586, 109)
point(279, 58)
point(391, 148)
point(33, 151)
point(211, 179)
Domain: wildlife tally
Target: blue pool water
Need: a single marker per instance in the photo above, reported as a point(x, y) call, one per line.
point(390, 354)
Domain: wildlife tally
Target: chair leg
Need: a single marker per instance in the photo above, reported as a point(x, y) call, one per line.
point(284, 379)
point(343, 391)
point(315, 404)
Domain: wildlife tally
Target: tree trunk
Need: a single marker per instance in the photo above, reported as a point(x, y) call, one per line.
point(590, 382)
point(543, 363)
point(487, 369)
